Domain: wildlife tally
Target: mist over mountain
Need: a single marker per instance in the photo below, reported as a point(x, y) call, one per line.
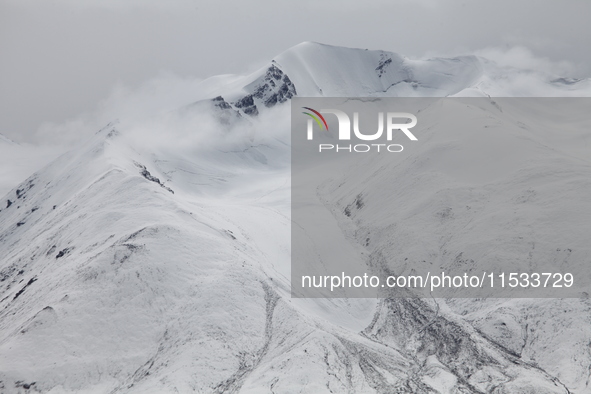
point(155, 257)
point(18, 161)
point(315, 70)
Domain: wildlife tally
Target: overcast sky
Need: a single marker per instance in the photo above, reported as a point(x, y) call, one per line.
point(60, 58)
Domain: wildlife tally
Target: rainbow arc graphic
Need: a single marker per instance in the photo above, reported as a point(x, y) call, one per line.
point(317, 117)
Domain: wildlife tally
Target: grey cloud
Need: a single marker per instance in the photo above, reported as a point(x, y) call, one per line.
point(61, 58)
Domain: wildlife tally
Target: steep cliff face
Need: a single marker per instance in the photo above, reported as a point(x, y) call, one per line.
point(274, 87)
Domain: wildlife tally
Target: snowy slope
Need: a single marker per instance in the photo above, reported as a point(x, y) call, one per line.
point(134, 264)
point(526, 207)
point(314, 70)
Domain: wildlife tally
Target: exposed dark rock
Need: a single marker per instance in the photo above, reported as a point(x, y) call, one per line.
point(247, 105)
point(221, 103)
point(274, 87)
point(146, 174)
point(63, 252)
point(20, 193)
point(21, 291)
point(226, 113)
point(356, 204)
point(7, 272)
point(382, 65)
point(26, 386)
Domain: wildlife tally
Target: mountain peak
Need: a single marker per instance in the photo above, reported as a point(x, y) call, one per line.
point(315, 69)
point(312, 69)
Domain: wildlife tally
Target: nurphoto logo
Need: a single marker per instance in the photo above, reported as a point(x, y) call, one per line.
point(393, 123)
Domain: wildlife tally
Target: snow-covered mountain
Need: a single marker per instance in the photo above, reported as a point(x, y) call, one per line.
point(316, 70)
point(161, 263)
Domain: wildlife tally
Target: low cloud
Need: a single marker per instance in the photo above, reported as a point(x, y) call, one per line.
point(151, 100)
point(523, 58)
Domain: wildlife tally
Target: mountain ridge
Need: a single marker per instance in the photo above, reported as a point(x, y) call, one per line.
point(321, 70)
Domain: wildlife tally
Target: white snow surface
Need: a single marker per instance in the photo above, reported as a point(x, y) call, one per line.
point(157, 259)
